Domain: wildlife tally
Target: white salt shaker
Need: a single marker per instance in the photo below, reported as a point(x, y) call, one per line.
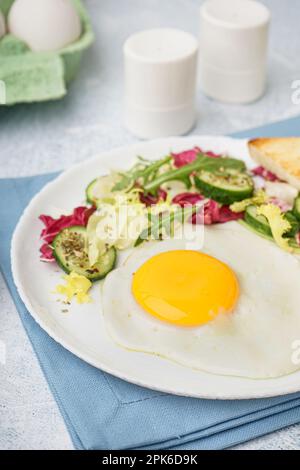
point(160, 82)
point(233, 49)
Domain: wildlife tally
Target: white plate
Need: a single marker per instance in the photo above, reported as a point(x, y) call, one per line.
point(82, 330)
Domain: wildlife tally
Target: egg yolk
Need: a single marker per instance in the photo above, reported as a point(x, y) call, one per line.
point(184, 287)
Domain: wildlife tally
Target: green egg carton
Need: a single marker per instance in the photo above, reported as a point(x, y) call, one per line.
point(27, 76)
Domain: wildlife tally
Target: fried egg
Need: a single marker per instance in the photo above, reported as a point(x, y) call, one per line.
point(229, 305)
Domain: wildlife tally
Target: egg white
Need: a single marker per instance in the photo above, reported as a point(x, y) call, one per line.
point(254, 341)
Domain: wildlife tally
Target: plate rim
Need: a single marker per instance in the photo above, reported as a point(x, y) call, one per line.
point(218, 395)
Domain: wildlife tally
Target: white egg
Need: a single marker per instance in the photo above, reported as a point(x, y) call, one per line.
point(45, 25)
point(2, 25)
point(255, 340)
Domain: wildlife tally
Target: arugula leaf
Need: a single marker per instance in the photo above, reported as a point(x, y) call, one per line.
point(144, 170)
point(164, 221)
point(223, 164)
point(202, 162)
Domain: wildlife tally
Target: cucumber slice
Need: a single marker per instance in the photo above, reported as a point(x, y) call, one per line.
point(253, 230)
point(292, 241)
point(296, 208)
point(102, 188)
point(261, 224)
point(69, 252)
point(225, 187)
point(89, 192)
point(258, 222)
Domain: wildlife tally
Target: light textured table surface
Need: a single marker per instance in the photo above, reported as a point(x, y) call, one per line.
point(46, 137)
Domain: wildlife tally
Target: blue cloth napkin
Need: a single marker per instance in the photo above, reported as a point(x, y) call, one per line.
point(103, 412)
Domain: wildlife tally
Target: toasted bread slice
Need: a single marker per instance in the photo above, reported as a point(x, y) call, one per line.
point(280, 155)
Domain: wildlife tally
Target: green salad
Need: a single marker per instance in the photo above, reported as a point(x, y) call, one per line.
point(126, 208)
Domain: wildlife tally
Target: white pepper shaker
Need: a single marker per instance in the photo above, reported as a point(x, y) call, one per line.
point(160, 82)
point(233, 49)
